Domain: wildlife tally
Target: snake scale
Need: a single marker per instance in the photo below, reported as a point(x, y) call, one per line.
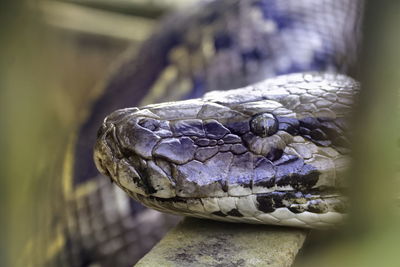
point(272, 152)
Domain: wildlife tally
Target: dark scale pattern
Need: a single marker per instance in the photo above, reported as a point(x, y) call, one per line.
point(274, 154)
point(297, 174)
point(188, 128)
point(215, 130)
point(269, 202)
point(290, 125)
point(321, 131)
point(325, 132)
point(239, 128)
point(234, 213)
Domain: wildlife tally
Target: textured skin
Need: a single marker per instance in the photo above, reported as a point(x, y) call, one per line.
point(219, 45)
point(273, 152)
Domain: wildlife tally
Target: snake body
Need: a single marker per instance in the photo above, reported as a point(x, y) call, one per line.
point(272, 152)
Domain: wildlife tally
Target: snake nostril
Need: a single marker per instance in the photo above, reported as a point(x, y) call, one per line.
point(148, 123)
point(264, 124)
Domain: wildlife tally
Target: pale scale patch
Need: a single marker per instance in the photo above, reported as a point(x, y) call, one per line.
point(324, 113)
point(238, 190)
point(247, 206)
point(291, 151)
point(263, 106)
point(286, 137)
point(326, 167)
point(226, 204)
point(210, 205)
point(180, 205)
point(308, 217)
point(126, 173)
point(195, 205)
point(160, 182)
point(294, 222)
point(187, 109)
point(267, 218)
point(282, 214)
point(328, 151)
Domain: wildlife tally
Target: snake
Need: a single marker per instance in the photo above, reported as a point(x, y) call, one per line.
point(251, 125)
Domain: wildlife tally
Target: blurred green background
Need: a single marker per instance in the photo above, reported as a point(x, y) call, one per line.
point(55, 53)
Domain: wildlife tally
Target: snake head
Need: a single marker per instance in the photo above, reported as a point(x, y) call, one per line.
point(259, 144)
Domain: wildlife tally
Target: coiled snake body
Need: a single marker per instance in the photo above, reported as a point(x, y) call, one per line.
point(271, 152)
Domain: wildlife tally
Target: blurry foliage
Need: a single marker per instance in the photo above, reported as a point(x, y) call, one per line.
point(47, 79)
point(34, 127)
point(373, 235)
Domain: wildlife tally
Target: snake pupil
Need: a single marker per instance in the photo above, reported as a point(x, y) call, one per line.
point(264, 125)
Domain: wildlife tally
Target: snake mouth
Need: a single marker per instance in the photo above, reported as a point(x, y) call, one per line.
point(314, 209)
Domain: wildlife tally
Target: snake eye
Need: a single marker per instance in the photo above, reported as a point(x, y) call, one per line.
point(264, 125)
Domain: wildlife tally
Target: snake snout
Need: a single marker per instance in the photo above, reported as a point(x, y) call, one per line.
point(103, 153)
point(124, 146)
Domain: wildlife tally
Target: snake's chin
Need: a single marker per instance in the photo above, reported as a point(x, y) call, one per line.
point(313, 210)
